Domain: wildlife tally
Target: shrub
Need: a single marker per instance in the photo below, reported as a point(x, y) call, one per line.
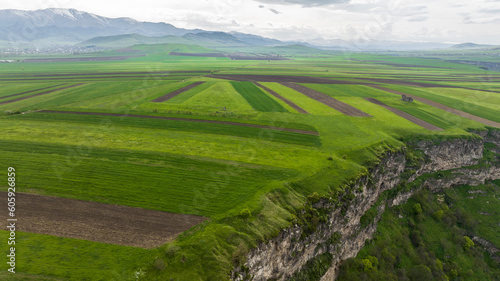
point(417, 209)
point(159, 264)
point(368, 266)
point(467, 243)
point(245, 213)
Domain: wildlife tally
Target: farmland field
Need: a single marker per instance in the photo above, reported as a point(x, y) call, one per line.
point(240, 145)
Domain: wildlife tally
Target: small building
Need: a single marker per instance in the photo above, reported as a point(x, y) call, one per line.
point(407, 98)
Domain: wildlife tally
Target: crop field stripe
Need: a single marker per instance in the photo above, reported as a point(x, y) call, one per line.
point(42, 93)
point(27, 92)
point(177, 92)
point(282, 79)
point(256, 98)
point(327, 100)
point(405, 115)
point(146, 179)
point(99, 222)
point(445, 108)
point(287, 101)
point(428, 117)
point(188, 120)
point(184, 96)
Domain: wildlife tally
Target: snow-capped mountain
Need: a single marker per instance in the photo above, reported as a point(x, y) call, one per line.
point(69, 26)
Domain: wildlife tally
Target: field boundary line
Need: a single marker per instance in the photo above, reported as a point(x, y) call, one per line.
point(405, 115)
point(305, 132)
point(100, 222)
point(27, 92)
point(341, 107)
point(177, 92)
point(43, 93)
point(280, 97)
point(444, 107)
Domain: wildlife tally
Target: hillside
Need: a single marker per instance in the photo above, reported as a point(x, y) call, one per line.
point(468, 46)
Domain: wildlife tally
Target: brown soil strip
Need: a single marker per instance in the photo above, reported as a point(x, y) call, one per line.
point(30, 91)
point(188, 120)
point(82, 59)
point(405, 115)
point(177, 92)
point(399, 82)
point(127, 50)
point(118, 73)
point(445, 108)
point(210, 55)
point(97, 222)
point(42, 93)
point(326, 99)
point(287, 101)
point(231, 56)
point(282, 79)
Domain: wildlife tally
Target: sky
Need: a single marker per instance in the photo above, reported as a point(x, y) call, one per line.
point(315, 21)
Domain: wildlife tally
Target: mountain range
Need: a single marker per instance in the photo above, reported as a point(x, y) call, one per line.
point(67, 27)
point(53, 27)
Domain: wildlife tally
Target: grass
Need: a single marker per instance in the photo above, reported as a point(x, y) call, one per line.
point(159, 181)
point(213, 170)
point(190, 93)
point(188, 126)
point(257, 98)
point(74, 259)
point(220, 96)
point(308, 104)
point(460, 103)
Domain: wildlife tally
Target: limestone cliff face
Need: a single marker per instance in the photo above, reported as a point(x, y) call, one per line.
point(282, 256)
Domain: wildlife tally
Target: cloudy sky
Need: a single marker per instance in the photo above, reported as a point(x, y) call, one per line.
point(314, 21)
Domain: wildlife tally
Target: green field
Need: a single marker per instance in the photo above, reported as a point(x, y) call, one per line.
point(256, 98)
point(226, 150)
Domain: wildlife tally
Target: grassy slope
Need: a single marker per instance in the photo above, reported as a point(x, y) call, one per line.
point(350, 142)
point(458, 102)
point(257, 98)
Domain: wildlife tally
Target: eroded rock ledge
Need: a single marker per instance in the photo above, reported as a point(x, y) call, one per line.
point(343, 235)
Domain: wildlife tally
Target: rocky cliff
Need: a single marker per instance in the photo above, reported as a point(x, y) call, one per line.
point(344, 233)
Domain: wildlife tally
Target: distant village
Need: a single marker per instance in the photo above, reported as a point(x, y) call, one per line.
point(19, 51)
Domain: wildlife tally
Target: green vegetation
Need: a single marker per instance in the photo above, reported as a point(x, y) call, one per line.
point(75, 259)
point(257, 98)
point(429, 238)
point(474, 104)
point(176, 125)
point(250, 181)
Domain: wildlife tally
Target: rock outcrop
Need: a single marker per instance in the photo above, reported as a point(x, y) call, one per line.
point(282, 256)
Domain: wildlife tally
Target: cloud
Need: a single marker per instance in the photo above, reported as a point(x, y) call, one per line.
point(274, 11)
point(418, 18)
point(411, 11)
point(304, 3)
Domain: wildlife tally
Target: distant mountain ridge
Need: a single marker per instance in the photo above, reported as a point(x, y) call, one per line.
point(70, 26)
point(469, 45)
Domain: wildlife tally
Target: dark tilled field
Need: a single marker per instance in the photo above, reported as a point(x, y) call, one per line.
point(82, 59)
point(326, 99)
point(281, 79)
point(97, 222)
point(405, 115)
